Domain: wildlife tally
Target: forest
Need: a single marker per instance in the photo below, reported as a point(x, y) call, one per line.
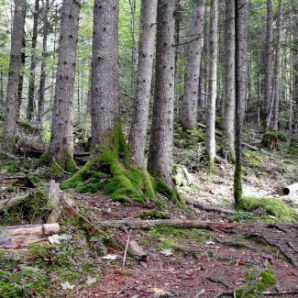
point(148, 148)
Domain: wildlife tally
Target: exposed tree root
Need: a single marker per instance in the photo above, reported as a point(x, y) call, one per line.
point(208, 207)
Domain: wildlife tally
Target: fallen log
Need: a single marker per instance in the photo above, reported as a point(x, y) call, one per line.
point(20, 181)
point(175, 223)
point(14, 201)
point(290, 189)
point(208, 207)
point(16, 237)
point(244, 144)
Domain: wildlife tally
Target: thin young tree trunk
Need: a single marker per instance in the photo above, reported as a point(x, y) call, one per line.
point(42, 82)
point(138, 133)
point(104, 80)
point(211, 113)
point(30, 106)
point(22, 72)
point(268, 66)
point(12, 96)
point(228, 146)
point(61, 146)
point(161, 144)
point(1, 91)
point(240, 92)
point(189, 109)
point(277, 74)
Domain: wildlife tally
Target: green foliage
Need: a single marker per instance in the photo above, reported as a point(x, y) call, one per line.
point(293, 147)
point(114, 172)
point(256, 284)
point(34, 209)
point(271, 209)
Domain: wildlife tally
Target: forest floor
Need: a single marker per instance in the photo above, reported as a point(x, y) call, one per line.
point(248, 255)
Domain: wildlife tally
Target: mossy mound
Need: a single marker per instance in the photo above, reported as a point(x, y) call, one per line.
point(114, 172)
point(271, 209)
point(256, 284)
point(35, 209)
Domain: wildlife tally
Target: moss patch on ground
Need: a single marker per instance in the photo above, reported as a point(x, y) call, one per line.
point(256, 284)
point(72, 261)
point(272, 210)
point(113, 171)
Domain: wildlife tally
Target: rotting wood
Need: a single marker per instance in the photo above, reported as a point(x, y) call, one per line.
point(14, 201)
point(208, 207)
point(19, 181)
point(55, 201)
point(16, 237)
point(290, 189)
point(135, 250)
point(175, 223)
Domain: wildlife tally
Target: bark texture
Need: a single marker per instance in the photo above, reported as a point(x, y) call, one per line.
point(138, 131)
point(211, 117)
point(61, 146)
point(161, 144)
point(104, 80)
point(268, 66)
point(42, 82)
point(277, 73)
point(30, 106)
point(12, 97)
point(229, 82)
point(189, 109)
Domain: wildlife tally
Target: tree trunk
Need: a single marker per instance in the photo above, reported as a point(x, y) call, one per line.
point(138, 131)
point(42, 82)
point(240, 71)
point(61, 146)
point(104, 80)
point(161, 144)
point(189, 109)
point(12, 99)
point(268, 66)
point(228, 146)
point(22, 72)
point(277, 73)
point(211, 114)
point(30, 106)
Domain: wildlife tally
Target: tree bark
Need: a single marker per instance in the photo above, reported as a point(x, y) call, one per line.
point(228, 145)
point(211, 113)
point(12, 99)
point(161, 144)
point(42, 82)
point(61, 146)
point(268, 66)
point(189, 109)
point(277, 73)
point(104, 78)
point(240, 71)
point(139, 126)
point(31, 92)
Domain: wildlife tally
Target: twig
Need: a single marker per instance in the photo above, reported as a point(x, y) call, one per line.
point(126, 249)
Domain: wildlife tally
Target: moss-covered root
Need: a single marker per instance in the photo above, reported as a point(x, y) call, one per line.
point(273, 209)
point(114, 172)
point(59, 167)
point(256, 284)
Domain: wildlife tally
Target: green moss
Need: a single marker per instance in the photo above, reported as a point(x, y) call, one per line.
point(293, 147)
point(278, 210)
point(35, 209)
point(114, 172)
point(256, 284)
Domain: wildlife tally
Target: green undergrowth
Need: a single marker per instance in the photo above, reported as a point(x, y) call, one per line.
point(293, 147)
point(114, 172)
point(256, 284)
point(35, 209)
point(49, 266)
point(169, 236)
point(269, 209)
